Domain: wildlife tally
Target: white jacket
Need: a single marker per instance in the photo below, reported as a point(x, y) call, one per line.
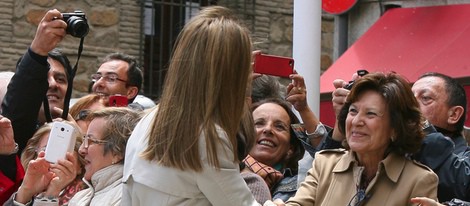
point(105, 188)
point(153, 184)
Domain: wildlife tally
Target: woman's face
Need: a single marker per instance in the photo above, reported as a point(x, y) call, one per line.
point(272, 126)
point(368, 128)
point(95, 159)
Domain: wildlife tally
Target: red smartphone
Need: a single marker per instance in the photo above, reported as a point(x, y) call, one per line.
point(273, 65)
point(118, 101)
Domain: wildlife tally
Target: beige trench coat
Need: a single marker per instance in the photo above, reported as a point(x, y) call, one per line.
point(335, 173)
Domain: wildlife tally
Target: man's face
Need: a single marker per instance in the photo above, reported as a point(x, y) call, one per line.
point(104, 87)
point(58, 83)
point(432, 98)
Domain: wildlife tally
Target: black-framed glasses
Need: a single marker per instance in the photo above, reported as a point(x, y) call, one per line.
point(87, 141)
point(82, 114)
point(108, 78)
point(359, 198)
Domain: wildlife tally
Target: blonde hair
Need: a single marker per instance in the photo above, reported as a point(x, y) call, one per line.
point(204, 88)
point(120, 122)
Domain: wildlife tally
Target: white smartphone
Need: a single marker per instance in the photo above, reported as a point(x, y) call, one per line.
point(61, 140)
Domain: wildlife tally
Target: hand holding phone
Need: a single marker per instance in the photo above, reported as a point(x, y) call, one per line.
point(61, 140)
point(273, 65)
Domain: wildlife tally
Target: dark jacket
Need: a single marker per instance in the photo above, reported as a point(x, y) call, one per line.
point(453, 169)
point(26, 92)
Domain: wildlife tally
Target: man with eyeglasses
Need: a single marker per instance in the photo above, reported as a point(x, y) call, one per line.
point(119, 74)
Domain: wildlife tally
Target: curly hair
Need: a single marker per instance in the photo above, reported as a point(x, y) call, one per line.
point(405, 116)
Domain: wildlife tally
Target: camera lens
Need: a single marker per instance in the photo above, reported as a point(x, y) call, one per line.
point(62, 129)
point(77, 26)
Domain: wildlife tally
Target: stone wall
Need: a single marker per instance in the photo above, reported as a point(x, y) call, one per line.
point(273, 27)
point(114, 26)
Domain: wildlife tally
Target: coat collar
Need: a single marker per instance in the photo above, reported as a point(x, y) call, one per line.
point(393, 165)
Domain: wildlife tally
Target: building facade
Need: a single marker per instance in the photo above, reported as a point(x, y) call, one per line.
point(147, 29)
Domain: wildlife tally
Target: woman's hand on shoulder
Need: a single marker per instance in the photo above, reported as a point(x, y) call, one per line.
point(276, 202)
point(424, 201)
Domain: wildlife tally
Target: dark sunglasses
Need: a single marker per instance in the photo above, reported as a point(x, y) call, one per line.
point(82, 115)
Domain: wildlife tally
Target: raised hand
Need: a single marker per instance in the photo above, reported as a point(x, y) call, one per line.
point(50, 31)
point(7, 140)
point(339, 95)
point(64, 173)
point(36, 179)
point(297, 92)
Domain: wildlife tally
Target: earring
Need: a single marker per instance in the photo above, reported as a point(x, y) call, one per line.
point(393, 138)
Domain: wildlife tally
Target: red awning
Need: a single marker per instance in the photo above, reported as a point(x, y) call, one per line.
point(409, 41)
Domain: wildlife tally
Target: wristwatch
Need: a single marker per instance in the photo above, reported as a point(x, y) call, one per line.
point(319, 132)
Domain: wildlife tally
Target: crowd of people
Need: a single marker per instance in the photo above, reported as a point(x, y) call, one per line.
point(223, 135)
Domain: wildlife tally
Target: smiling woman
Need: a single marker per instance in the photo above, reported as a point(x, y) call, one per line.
point(277, 150)
point(383, 125)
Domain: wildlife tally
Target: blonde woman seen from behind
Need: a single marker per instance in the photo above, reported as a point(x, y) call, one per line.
point(184, 152)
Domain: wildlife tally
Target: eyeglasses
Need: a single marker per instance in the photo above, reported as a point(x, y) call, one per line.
point(82, 115)
point(109, 78)
point(88, 139)
point(360, 197)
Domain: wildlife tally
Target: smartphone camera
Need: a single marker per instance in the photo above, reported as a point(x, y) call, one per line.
point(77, 24)
point(62, 129)
point(360, 73)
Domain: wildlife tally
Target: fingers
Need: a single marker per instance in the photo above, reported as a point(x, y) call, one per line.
point(64, 171)
point(339, 83)
point(52, 15)
point(255, 75)
point(424, 201)
point(297, 80)
point(41, 154)
point(5, 122)
point(50, 31)
point(277, 202)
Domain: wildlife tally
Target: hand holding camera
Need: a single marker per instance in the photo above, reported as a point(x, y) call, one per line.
point(50, 32)
point(359, 73)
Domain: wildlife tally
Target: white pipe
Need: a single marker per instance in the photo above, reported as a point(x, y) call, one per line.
point(307, 47)
point(306, 53)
